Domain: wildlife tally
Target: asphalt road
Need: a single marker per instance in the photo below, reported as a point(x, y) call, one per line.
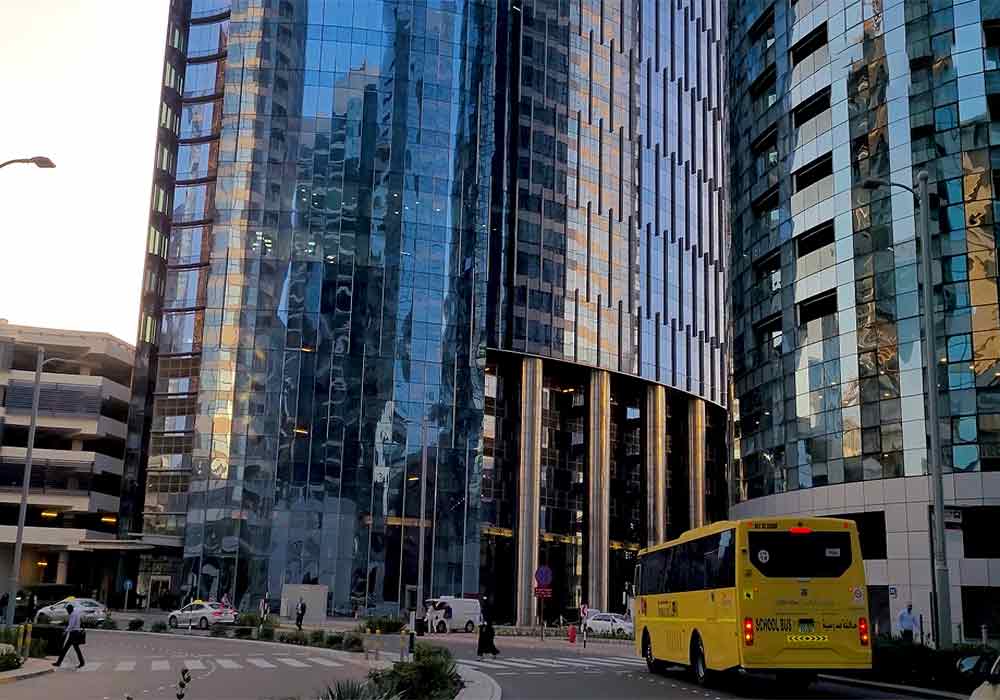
point(149, 666)
point(532, 670)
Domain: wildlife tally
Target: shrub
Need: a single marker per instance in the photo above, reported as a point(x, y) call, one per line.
point(316, 638)
point(136, 624)
point(335, 640)
point(355, 690)
point(384, 624)
point(10, 662)
point(243, 632)
point(295, 637)
point(253, 620)
point(267, 633)
point(108, 624)
point(159, 627)
point(218, 631)
point(352, 642)
point(39, 647)
point(430, 676)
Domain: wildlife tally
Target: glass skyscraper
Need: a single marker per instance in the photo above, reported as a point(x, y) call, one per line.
point(829, 381)
point(434, 295)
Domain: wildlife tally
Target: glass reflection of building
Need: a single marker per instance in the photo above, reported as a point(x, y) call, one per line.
point(445, 269)
point(828, 373)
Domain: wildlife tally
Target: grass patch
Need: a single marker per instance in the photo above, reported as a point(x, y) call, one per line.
point(136, 624)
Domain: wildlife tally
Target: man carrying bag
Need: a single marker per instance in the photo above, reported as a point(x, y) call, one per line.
point(75, 636)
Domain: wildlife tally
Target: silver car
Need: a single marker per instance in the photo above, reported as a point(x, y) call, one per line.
point(202, 615)
point(91, 611)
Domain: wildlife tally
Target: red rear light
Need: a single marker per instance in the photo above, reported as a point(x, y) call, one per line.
point(863, 636)
point(216, 614)
point(748, 631)
point(801, 531)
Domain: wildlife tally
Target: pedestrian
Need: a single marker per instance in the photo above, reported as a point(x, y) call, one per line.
point(907, 623)
point(225, 601)
point(75, 636)
point(487, 644)
point(300, 613)
point(3, 605)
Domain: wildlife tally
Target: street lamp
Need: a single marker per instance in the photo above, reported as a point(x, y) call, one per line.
point(941, 578)
point(40, 362)
point(40, 161)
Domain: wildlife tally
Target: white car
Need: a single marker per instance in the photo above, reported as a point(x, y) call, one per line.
point(990, 689)
point(90, 611)
point(608, 623)
point(202, 615)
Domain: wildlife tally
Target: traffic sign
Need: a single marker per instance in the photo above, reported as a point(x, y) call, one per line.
point(543, 591)
point(543, 576)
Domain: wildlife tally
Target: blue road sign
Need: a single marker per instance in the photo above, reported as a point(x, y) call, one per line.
point(543, 576)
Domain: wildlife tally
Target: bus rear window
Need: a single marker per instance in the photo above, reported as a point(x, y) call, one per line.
point(811, 555)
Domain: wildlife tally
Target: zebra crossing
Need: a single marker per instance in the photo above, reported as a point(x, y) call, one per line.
point(174, 665)
point(555, 664)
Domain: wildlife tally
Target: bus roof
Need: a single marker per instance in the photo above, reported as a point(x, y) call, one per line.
point(780, 521)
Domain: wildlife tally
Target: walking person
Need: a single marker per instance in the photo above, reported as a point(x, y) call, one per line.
point(300, 613)
point(486, 644)
point(75, 636)
point(907, 623)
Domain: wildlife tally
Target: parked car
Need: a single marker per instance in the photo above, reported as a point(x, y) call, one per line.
point(448, 613)
point(608, 623)
point(91, 611)
point(990, 689)
point(202, 615)
point(31, 599)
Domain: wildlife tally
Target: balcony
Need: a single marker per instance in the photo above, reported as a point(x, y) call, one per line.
point(71, 460)
point(64, 500)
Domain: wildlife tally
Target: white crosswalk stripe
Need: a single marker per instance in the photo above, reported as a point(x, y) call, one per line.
point(91, 666)
point(193, 665)
point(160, 665)
point(294, 663)
point(260, 663)
point(125, 666)
point(228, 664)
point(589, 661)
point(324, 662)
point(579, 663)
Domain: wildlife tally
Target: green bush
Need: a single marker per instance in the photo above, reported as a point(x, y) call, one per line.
point(108, 624)
point(218, 631)
point(352, 642)
point(355, 690)
point(38, 649)
point(295, 637)
point(10, 662)
point(243, 632)
point(136, 624)
point(335, 640)
point(384, 624)
point(317, 638)
point(159, 627)
point(253, 620)
point(430, 676)
point(267, 634)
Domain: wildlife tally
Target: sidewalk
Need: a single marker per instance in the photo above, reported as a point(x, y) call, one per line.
point(893, 687)
point(31, 669)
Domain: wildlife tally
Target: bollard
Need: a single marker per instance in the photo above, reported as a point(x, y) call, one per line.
point(402, 645)
point(984, 637)
point(27, 641)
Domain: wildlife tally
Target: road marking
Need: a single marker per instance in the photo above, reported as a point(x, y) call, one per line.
point(294, 663)
point(324, 662)
point(226, 663)
point(91, 666)
point(160, 665)
point(125, 666)
point(260, 663)
point(194, 665)
point(588, 662)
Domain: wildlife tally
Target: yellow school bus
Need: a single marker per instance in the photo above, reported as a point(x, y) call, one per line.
point(777, 595)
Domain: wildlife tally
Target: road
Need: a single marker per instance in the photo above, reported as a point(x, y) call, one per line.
point(147, 667)
point(532, 670)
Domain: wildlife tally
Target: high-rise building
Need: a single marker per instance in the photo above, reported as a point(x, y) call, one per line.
point(828, 374)
point(77, 459)
point(434, 297)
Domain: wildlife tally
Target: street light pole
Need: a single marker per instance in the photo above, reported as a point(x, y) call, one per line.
point(942, 581)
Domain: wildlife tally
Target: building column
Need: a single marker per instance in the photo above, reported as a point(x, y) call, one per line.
point(599, 495)
point(62, 567)
point(656, 464)
point(529, 491)
point(696, 461)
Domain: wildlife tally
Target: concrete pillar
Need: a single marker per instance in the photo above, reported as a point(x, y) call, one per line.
point(696, 461)
point(599, 496)
point(62, 567)
point(529, 487)
point(656, 464)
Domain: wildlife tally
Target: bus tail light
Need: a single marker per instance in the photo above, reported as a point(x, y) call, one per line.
point(863, 636)
point(748, 631)
point(801, 530)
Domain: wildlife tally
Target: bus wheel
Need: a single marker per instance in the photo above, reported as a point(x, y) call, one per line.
point(698, 666)
point(652, 665)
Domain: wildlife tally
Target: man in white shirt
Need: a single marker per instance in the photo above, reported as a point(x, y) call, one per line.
point(907, 623)
point(74, 636)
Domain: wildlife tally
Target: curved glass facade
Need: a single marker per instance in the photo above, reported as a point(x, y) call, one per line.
point(440, 293)
point(828, 371)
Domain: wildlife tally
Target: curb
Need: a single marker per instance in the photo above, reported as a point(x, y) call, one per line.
point(25, 675)
point(878, 685)
point(478, 685)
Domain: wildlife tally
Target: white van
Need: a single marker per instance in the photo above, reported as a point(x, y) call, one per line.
point(448, 613)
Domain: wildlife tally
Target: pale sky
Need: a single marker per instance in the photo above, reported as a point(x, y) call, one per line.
point(79, 83)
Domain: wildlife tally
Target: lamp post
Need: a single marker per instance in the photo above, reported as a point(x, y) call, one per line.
point(941, 578)
point(40, 362)
point(40, 161)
